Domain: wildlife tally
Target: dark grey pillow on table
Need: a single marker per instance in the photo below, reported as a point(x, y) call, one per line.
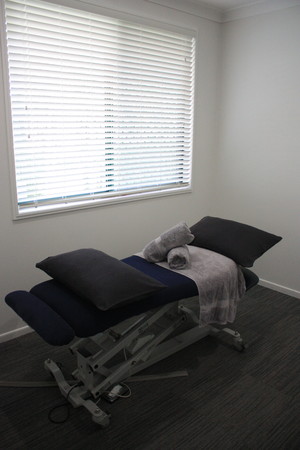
point(99, 278)
point(240, 242)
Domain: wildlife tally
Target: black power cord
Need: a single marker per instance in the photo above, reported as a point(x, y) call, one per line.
point(65, 405)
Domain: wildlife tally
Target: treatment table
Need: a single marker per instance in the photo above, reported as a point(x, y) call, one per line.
point(112, 345)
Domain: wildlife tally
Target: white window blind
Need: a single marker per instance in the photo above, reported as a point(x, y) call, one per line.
point(101, 108)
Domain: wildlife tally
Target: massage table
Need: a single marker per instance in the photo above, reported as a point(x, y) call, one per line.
point(110, 346)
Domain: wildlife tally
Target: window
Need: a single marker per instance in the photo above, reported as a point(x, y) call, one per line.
point(101, 108)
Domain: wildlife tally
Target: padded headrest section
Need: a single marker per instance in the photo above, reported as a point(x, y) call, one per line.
point(39, 316)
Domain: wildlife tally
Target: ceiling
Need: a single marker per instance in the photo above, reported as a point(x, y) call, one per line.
point(226, 4)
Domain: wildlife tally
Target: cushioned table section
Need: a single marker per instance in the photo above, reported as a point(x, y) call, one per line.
point(58, 315)
point(86, 320)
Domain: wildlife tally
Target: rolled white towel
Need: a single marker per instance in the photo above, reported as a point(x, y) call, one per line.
point(179, 257)
point(157, 250)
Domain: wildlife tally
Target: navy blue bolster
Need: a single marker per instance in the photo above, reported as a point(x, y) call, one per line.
point(39, 316)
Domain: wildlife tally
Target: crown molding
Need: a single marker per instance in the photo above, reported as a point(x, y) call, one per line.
point(192, 8)
point(200, 9)
point(256, 9)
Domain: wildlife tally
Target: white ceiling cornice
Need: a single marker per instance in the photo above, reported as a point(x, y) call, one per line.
point(195, 8)
point(189, 7)
point(257, 9)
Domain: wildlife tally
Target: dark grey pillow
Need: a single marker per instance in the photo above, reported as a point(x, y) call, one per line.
point(240, 242)
point(99, 278)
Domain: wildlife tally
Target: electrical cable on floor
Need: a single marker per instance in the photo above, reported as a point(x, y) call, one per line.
point(112, 395)
point(66, 405)
point(128, 394)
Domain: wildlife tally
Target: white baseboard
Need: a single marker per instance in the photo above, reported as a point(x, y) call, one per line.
point(279, 288)
point(15, 333)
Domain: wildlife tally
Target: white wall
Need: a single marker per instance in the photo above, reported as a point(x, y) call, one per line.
point(246, 158)
point(120, 230)
point(258, 157)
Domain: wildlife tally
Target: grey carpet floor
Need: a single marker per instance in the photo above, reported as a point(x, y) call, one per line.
point(229, 400)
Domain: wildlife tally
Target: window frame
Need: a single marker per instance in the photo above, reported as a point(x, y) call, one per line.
point(98, 201)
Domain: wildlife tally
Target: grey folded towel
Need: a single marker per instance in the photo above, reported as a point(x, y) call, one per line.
point(179, 257)
point(157, 250)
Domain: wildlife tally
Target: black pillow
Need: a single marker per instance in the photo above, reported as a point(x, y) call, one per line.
point(240, 242)
point(99, 278)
